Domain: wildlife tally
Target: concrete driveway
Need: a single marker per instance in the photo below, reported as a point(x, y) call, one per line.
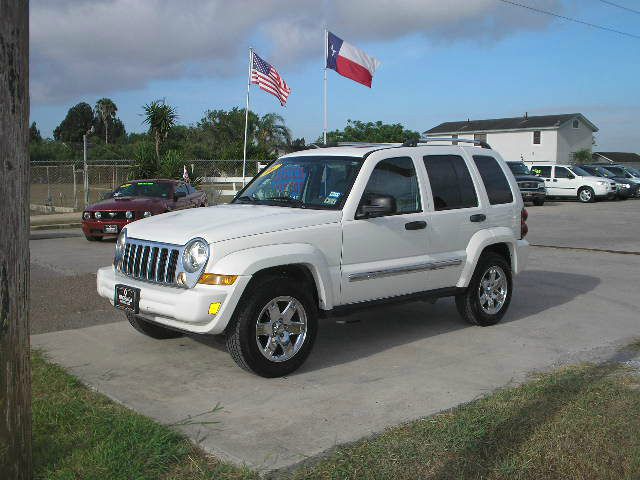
point(390, 365)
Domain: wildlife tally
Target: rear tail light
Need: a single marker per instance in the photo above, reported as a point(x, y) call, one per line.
point(523, 223)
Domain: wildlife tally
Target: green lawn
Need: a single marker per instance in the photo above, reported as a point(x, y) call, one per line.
point(579, 422)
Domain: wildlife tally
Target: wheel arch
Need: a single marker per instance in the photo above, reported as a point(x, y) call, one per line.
point(498, 240)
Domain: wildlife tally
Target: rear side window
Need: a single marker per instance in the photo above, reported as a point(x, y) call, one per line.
point(396, 177)
point(541, 171)
point(497, 185)
point(451, 183)
point(562, 172)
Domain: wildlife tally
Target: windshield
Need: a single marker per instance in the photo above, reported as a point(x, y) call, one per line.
point(604, 172)
point(580, 171)
point(617, 171)
point(634, 171)
point(143, 189)
point(519, 168)
point(304, 182)
point(592, 171)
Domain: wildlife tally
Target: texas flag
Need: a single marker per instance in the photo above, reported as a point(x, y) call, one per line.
point(349, 61)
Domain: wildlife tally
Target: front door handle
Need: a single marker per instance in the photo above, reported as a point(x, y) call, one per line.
point(478, 217)
point(415, 225)
point(555, 180)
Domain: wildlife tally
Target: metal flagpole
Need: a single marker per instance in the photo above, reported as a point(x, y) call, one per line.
point(246, 119)
point(326, 46)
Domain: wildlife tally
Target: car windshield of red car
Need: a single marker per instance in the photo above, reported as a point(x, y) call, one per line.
point(143, 189)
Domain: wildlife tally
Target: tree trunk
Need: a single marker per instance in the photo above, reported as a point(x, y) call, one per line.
point(106, 132)
point(157, 150)
point(15, 381)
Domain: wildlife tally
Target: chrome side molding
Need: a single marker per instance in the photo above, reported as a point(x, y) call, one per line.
point(418, 267)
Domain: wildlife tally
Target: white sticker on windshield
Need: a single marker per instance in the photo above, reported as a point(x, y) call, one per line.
point(334, 195)
point(330, 201)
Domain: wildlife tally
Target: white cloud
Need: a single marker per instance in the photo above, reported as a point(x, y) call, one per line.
point(100, 46)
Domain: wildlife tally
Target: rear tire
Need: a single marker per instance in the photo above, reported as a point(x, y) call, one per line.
point(93, 238)
point(152, 330)
point(485, 301)
point(538, 202)
point(586, 195)
point(263, 308)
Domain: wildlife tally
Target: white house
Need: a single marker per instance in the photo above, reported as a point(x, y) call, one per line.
point(534, 139)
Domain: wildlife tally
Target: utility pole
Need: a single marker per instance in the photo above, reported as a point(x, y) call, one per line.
point(15, 371)
point(86, 167)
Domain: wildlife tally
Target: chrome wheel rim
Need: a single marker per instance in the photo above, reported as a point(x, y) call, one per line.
point(585, 195)
point(281, 329)
point(493, 290)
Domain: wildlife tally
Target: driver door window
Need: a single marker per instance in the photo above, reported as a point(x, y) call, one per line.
point(395, 177)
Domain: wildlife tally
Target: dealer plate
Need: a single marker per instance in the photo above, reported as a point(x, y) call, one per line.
point(127, 298)
point(110, 229)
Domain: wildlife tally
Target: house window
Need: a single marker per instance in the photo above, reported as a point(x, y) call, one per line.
point(536, 137)
point(455, 135)
point(482, 137)
point(576, 124)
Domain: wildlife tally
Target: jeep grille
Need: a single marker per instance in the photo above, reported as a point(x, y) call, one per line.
point(150, 261)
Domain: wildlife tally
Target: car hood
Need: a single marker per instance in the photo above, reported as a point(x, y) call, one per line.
point(597, 179)
point(127, 203)
point(528, 178)
point(224, 222)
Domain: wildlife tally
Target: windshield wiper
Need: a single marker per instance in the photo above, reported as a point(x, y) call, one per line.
point(246, 198)
point(289, 200)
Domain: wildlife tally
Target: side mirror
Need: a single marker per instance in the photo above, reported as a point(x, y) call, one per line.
point(178, 195)
point(572, 176)
point(377, 206)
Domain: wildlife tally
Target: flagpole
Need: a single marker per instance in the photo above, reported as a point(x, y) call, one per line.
point(246, 120)
point(326, 42)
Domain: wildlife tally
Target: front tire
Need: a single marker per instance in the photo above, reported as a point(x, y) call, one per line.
point(586, 195)
point(152, 330)
point(487, 298)
point(274, 327)
point(538, 202)
point(93, 238)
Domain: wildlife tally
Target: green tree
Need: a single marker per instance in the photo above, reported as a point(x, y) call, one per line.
point(582, 156)
point(358, 131)
point(271, 133)
point(106, 110)
point(78, 121)
point(161, 118)
point(34, 133)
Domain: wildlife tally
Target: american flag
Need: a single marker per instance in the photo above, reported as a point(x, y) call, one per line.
point(268, 79)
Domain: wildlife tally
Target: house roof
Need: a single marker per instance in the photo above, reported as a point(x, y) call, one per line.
point(515, 123)
point(619, 157)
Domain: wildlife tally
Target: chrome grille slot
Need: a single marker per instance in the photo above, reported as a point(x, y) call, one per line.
point(151, 262)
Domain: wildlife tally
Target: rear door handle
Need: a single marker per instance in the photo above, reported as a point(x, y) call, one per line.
point(478, 217)
point(555, 180)
point(415, 225)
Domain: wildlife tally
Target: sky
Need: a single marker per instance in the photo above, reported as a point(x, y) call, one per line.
point(441, 61)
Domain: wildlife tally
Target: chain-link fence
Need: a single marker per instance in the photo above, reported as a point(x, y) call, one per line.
point(64, 187)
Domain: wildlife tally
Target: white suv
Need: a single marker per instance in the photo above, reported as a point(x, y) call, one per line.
point(321, 233)
point(574, 182)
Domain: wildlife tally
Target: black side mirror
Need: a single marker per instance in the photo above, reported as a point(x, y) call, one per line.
point(571, 176)
point(178, 195)
point(377, 206)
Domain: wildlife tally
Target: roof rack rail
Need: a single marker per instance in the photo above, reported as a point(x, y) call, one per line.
point(414, 143)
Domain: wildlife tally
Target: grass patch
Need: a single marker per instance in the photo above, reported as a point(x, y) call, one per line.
point(81, 434)
point(578, 422)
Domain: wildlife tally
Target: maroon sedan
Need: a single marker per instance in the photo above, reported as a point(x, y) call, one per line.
point(135, 200)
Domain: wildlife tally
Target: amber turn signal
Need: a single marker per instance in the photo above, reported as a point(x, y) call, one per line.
point(215, 279)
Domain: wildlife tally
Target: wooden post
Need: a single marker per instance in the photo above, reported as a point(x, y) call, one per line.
point(15, 382)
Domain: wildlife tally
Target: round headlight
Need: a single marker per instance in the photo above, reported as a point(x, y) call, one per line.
point(195, 255)
point(121, 242)
point(86, 215)
point(146, 214)
point(98, 215)
point(129, 215)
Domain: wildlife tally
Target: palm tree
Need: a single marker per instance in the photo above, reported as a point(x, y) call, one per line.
point(161, 118)
point(271, 132)
point(107, 111)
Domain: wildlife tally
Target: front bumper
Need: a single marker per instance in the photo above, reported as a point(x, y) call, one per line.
point(529, 195)
point(179, 308)
point(96, 227)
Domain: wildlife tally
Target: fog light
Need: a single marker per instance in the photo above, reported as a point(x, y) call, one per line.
point(86, 215)
point(146, 214)
point(215, 279)
point(98, 215)
point(129, 215)
point(214, 308)
point(182, 279)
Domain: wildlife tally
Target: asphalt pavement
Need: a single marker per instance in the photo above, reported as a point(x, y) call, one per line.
point(385, 366)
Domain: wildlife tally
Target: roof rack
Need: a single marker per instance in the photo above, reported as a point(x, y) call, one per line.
point(414, 143)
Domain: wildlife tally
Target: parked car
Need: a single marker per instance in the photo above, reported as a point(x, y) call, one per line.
point(135, 200)
point(622, 171)
point(322, 233)
point(569, 181)
point(624, 188)
point(531, 187)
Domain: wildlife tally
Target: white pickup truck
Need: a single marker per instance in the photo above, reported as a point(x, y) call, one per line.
point(320, 233)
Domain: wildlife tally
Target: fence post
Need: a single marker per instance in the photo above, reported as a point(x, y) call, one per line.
point(75, 188)
point(49, 199)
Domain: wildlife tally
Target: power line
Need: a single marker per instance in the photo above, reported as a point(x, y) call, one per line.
point(575, 20)
point(621, 6)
